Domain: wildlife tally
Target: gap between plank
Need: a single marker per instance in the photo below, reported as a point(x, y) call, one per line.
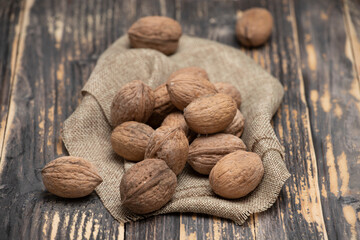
point(303, 98)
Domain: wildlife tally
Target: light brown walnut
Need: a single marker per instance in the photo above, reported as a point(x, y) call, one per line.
point(236, 127)
point(195, 71)
point(229, 89)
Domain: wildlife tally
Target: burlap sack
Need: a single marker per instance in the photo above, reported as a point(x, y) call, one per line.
point(86, 132)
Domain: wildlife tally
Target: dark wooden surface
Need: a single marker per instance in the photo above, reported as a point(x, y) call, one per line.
point(49, 48)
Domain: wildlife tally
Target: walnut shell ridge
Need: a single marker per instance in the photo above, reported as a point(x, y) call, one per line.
point(210, 114)
point(236, 127)
point(206, 151)
point(171, 145)
point(236, 174)
point(70, 177)
point(184, 88)
point(229, 89)
point(147, 186)
point(155, 32)
point(130, 139)
point(134, 102)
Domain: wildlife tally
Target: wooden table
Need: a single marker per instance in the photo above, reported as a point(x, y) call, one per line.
point(49, 48)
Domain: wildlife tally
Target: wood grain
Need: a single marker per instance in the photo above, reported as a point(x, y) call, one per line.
point(332, 86)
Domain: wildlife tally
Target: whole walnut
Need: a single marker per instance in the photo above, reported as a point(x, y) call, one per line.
point(236, 174)
point(236, 127)
point(147, 186)
point(195, 71)
point(171, 145)
point(206, 151)
point(130, 139)
point(254, 26)
point(134, 102)
point(229, 89)
point(177, 120)
point(184, 88)
point(155, 32)
point(70, 177)
point(210, 114)
point(163, 106)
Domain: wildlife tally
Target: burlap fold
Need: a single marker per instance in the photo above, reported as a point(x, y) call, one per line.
point(86, 132)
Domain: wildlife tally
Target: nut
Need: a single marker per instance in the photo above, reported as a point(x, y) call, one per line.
point(177, 120)
point(184, 88)
point(171, 145)
point(206, 151)
point(147, 186)
point(155, 32)
point(210, 114)
point(229, 89)
point(195, 71)
point(236, 127)
point(254, 27)
point(70, 177)
point(236, 174)
point(134, 102)
point(163, 106)
point(129, 140)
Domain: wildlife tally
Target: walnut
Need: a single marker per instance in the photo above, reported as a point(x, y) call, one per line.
point(155, 32)
point(210, 114)
point(206, 151)
point(70, 177)
point(236, 174)
point(176, 119)
point(129, 140)
point(236, 127)
point(134, 102)
point(195, 71)
point(185, 87)
point(171, 145)
point(229, 89)
point(147, 186)
point(254, 26)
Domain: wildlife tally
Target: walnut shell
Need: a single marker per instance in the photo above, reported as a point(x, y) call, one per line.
point(70, 177)
point(147, 186)
point(176, 120)
point(134, 102)
point(184, 88)
point(229, 89)
point(171, 145)
point(254, 27)
point(236, 127)
point(236, 174)
point(163, 106)
point(210, 114)
point(129, 140)
point(155, 32)
point(206, 151)
point(196, 71)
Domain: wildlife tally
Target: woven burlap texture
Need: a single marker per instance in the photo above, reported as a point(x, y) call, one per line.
point(86, 133)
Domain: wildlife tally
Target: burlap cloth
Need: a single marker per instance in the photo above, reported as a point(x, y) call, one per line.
point(86, 132)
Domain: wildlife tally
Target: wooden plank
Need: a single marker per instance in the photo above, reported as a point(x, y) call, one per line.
point(59, 44)
point(331, 81)
point(11, 18)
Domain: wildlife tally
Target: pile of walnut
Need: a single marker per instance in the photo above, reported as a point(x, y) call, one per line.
point(188, 108)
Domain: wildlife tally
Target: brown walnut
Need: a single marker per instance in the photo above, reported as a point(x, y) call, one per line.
point(210, 114)
point(171, 145)
point(254, 26)
point(177, 120)
point(229, 89)
point(70, 177)
point(147, 186)
point(129, 140)
point(184, 88)
point(236, 127)
point(163, 106)
point(134, 102)
point(206, 151)
point(236, 174)
point(155, 32)
point(195, 71)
